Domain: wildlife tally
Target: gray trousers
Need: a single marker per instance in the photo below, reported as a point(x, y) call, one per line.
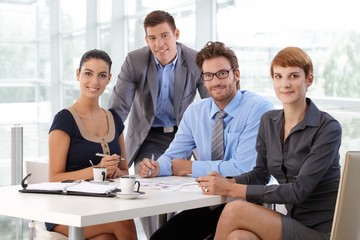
point(155, 143)
point(152, 223)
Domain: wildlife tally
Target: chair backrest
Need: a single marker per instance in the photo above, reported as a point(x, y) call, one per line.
point(346, 224)
point(39, 171)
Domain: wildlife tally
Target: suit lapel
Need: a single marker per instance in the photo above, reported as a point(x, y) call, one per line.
point(179, 81)
point(152, 81)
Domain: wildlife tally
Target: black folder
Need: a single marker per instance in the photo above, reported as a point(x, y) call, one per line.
point(78, 188)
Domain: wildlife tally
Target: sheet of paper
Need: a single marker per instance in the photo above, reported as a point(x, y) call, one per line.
point(164, 183)
point(82, 186)
point(50, 186)
point(92, 187)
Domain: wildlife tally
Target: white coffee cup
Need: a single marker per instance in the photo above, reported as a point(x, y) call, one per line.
point(99, 174)
point(129, 184)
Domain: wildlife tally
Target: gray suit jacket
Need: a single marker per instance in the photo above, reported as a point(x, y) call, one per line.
point(137, 89)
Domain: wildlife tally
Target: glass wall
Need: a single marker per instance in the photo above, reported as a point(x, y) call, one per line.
point(24, 88)
point(25, 79)
point(182, 11)
point(41, 42)
point(257, 30)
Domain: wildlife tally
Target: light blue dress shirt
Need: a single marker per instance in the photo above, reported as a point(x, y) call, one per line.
point(240, 131)
point(165, 114)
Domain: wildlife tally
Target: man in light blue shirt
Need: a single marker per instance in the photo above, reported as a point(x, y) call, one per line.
point(221, 77)
point(195, 129)
point(243, 110)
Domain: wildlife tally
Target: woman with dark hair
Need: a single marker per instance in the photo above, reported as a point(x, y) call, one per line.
point(84, 129)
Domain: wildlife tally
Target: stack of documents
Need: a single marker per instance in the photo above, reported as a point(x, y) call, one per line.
point(79, 187)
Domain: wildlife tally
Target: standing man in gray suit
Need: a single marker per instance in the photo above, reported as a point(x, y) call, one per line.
point(157, 83)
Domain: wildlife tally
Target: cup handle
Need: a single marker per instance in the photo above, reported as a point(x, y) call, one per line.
point(104, 177)
point(138, 186)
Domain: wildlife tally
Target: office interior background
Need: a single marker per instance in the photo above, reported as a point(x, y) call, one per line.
point(42, 41)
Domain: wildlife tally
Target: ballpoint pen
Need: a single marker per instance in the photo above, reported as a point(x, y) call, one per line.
point(152, 159)
point(104, 155)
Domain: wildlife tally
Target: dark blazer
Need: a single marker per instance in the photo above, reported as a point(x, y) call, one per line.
point(137, 89)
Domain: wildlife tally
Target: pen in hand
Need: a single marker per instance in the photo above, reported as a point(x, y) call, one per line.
point(104, 155)
point(152, 159)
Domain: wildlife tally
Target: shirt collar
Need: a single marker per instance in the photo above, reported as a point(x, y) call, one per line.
point(231, 109)
point(312, 115)
point(172, 64)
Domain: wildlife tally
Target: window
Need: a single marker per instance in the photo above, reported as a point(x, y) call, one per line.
point(257, 30)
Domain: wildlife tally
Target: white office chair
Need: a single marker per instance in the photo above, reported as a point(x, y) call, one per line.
point(347, 212)
point(40, 173)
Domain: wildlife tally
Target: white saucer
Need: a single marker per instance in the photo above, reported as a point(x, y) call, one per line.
point(129, 195)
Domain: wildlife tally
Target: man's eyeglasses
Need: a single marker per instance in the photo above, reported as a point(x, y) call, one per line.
point(208, 76)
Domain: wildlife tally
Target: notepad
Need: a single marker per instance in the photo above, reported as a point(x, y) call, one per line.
point(78, 186)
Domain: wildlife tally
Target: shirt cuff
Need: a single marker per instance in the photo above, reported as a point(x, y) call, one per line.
point(255, 193)
point(165, 166)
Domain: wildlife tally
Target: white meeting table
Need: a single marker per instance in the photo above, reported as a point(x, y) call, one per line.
point(81, 211)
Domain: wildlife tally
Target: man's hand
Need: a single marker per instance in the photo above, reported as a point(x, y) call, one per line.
point(148, 168)
point(181, 167)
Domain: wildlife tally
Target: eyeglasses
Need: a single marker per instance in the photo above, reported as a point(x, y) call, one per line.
point(208, 76)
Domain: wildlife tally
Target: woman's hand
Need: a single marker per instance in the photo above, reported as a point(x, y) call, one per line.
point(117, 173)
point(214, 184)
point(110, 163)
